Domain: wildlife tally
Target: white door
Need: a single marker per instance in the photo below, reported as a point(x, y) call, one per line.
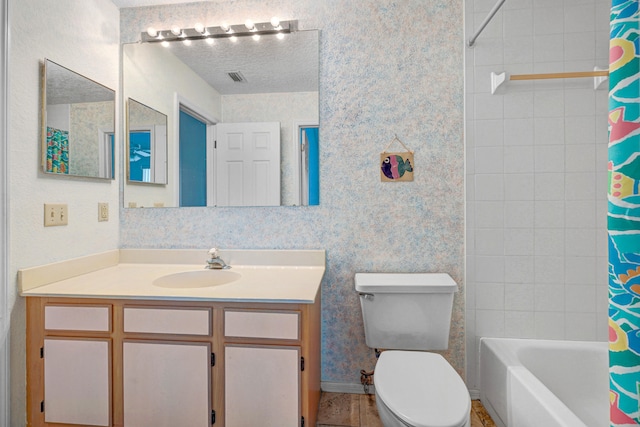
point(77, 381)
point(262, 386)
point(166, 384)
point(248, 164)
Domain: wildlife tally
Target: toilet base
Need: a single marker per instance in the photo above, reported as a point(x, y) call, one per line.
point(389, 419)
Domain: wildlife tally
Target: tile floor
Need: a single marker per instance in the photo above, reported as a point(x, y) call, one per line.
point(359, 410)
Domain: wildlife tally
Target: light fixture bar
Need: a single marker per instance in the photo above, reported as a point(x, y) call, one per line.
point(239, 30)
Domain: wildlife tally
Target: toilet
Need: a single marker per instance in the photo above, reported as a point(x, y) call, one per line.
point(404, 313)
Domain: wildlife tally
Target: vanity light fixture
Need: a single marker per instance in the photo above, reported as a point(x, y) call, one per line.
point(201, 32)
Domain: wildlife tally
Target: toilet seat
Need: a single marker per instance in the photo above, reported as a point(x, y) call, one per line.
point(422, 389)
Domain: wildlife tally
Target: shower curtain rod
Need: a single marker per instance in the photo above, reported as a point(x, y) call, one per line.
point(486, 21)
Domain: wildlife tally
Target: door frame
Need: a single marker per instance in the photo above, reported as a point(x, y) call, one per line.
point(297, 161)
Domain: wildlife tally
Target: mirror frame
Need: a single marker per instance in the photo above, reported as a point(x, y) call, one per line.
point(44, 84)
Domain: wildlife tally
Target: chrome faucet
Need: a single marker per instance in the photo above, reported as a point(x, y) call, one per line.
point(215, 262)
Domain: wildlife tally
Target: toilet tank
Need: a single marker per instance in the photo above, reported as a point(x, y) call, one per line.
point(406, 311)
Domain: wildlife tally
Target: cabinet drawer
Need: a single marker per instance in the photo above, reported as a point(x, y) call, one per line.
point(168, 320)
point(262, 324)
point(77, 318)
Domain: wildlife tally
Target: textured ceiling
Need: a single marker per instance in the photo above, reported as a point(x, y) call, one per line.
point(269, 65)
point(67, 87)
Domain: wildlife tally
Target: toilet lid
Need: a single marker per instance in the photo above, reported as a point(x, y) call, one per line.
point(422, 389)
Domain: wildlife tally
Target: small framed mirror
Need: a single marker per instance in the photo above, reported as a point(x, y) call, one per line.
point(78, 122)
point(146, 144)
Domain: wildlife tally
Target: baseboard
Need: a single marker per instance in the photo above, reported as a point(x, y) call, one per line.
point(475, 394)
point(351, 388)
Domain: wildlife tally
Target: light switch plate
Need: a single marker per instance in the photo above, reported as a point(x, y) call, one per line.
point(103, 212)
point(55, 214)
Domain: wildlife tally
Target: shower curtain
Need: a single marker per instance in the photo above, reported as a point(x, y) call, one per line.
point(57, 150)
point(623, 220)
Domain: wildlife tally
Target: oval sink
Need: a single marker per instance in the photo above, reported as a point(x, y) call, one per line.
point(197, 279)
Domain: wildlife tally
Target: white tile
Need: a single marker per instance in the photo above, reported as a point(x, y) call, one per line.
point(549, 214)
point(549, 158)
point(518, 50)
point(489, 269)
point(490, 51)
point(549, 269)
point(489, 133)
point(580, 130)
point(489, 187)
point(519, 296)
point(548, 20)
point(490, 296)
point(549, 325)
point(489, 241)
point(489, 214)
point(548, 103)
point(580, 326)
point(518, 23)
point(549, 186)
point(578, 19)
point(493, 29)
point(580, 186)
point(518, 269)
point(519, 187)
point(518, 132)
point(580, 299)
point(519, 324)
point(580, 270)
point(518, 105)
point(580, 158)
point(580, 242)
point(602, 298)
point(548, 48)
point(490, 323)
point(602, 242)
point(580, 214)
point(482, 78)
point(580, 46)
point(549, 131)
point(489, 160)
point(488, 106)
point(519, 214)
point(602, 327)
point(549, 297)
point(549, 241)
point(518, 159)
point(580, 102)
point(518, 241)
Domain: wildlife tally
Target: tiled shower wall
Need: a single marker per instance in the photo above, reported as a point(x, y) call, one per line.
point(536, 170)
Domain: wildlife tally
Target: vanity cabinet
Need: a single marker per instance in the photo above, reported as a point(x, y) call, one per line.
point(119, 362)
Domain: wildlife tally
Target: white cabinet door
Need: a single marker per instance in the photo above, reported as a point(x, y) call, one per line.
point(77, 381)
point(262, 386)
point(248, 164)
point(166, 384)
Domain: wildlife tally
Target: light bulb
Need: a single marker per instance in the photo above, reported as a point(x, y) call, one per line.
point(275, 22)
point(176, 31)
point(233, 39)
point(249, 24)
point(225, 27)
point(280, 36)
point(256, 37)
point(165, 44)
point(209, 41)
point(186, 42)
point(199, 28)
point(152, 32)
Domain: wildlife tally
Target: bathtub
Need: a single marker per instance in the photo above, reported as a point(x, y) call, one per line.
point(534, 383)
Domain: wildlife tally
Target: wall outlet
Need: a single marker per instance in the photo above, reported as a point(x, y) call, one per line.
point(103, 212)
point(55, 214)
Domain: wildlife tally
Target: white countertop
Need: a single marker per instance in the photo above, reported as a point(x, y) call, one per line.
point(286, 277)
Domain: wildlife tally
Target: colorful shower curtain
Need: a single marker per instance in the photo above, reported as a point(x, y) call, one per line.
point(624, 214)
point(57, 150)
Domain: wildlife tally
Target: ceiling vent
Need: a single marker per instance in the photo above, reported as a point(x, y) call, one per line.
point(237, 77)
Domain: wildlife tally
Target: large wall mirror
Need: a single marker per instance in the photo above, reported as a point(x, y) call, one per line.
point(242, 119)
point(78, 118)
